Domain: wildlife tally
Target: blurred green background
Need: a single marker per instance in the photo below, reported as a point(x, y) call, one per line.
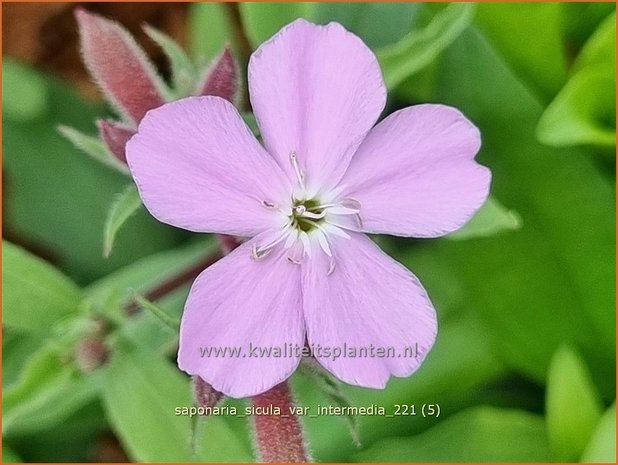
point(524, 365)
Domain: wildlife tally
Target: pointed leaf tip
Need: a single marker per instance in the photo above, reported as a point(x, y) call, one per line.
point(221, 78)
point(115, 137)
point(120, 67)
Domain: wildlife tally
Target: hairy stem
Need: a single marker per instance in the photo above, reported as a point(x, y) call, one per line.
point(279, 437)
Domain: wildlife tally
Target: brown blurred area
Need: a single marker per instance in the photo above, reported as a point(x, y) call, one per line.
point(45, 34)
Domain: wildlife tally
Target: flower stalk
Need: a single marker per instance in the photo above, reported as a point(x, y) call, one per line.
point(278, 436)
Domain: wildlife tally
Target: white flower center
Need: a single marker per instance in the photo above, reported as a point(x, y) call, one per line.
point(311, 223)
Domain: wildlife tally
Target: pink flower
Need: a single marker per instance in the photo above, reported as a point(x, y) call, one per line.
point(324, 177)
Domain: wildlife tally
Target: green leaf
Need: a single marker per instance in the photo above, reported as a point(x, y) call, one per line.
point(333, 391)
point(141, 394)
point(92, 146)
point(111, 292)
point(8, 456)
point(420, 47)
point(602, 445)
point(183, 71)
point(18, 348)
point(600, 49)
point(210, 29)
point(250, 121)
point(125, 205)
point(573, 405)
point(36, 295)
point(55, 198)
point(48, 391)
point(554, 281)
point(367, 20)
point(482, 434)
point(158, 312)
point(24, 95)
point(492, 218)
point(584, 112)
point(530, 39)
point(263, 19)
point(453, 381)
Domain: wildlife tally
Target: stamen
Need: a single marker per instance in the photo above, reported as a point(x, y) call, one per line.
point(331, 266)
point(313, 216)
point(300, 175)
point(323, 241)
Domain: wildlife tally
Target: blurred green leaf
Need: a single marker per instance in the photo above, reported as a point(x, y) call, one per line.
point(584, 112)
point(141, 393)
point(581, 18)
point(491, 219)
point(600, 49)
point(421, 46)
point(48, 391)
point(554, 281)
point(111, 292)
point(211, 28)
point(602, 446)
point(17, 348)
point(333, 391)
point(55, 198)
point(368, 20)
point(160, 314)
point(530, 38)
point(263, 19)
point(125, 205)
point(573, 405)
point(481, 434)
point(24, 94)
point(183, 71)
point(454, 382)
point(8, 456)
point(36, 295)
point(92, 146)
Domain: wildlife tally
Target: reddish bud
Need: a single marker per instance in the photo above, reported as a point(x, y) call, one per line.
point(227, 243)
point(91, 353)
point(221, 78)
point(115, 137)
point(279, 437)
point(205, 394)
point(119, 66)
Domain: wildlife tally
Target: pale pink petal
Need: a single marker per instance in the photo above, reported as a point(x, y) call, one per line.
point(369, 300)
point(119, 66)
point(316, 91)
point(415, 174)
point(198, 166)
point(240, 302)
point(221, 78)
point(115, 136)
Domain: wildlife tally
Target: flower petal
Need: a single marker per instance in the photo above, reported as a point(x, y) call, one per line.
point(236, 302)
point(368, 300)
point(316, 91)
point(415, 174)
point(198, 167)
point(119, 66)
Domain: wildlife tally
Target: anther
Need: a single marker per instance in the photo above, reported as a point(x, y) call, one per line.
point(268, 204)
